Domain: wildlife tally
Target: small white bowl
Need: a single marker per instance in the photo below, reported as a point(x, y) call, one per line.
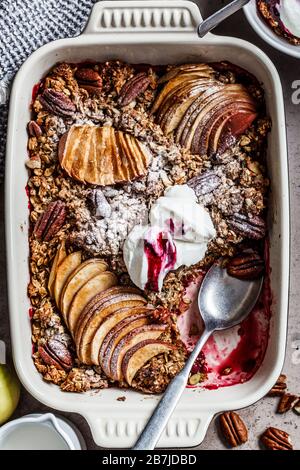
point(267, 34)
point(39, 432)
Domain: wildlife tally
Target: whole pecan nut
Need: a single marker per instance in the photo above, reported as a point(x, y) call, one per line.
point(34, 129)
point(55, 353)
point(89, 80)
point(287, 402)
point(50, 221)
point(254, 227)
point(133, 88)
point(233, 428)
point(279, 388)
point(276, 439)
point(57, 103)
point(205, 183)
point(246, 266)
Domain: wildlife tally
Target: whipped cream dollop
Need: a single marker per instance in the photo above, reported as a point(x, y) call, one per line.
point(289, 12)
point(179, 232)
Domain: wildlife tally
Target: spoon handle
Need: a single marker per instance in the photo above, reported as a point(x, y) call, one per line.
point(214, 20)
point(169, 400)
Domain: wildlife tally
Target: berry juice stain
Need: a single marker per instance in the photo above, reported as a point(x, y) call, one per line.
point(232, 356)
point(161, 257)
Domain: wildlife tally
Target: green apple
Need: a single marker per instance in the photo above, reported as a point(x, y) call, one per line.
point(9, 392)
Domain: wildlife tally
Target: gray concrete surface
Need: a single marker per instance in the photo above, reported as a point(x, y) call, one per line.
point(262, 414)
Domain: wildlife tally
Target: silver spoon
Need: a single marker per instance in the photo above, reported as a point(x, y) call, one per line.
point(214, 20)
point(224, 301)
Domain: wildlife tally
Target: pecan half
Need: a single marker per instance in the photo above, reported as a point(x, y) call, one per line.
point(246, 266)
point(89, 80)
point(34, 129)
point(254, 227)
point(276, 439)
point(98, 203)
point(233, 428)
point(205, 183)
point(287, 402)
point(279, 388)
point(133, 88)
point(55, 353)
point(50, 221)
point(57, 103)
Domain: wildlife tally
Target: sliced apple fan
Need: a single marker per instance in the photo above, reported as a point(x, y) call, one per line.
point(110, 324)
point(205, 115)
point(102, 155)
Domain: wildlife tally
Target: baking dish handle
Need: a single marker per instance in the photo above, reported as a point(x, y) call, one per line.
point(185, 429)
point(146, 16)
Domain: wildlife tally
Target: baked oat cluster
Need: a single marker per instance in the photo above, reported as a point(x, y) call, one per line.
point(106, 140)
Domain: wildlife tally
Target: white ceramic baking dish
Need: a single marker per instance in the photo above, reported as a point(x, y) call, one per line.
point(153, 32)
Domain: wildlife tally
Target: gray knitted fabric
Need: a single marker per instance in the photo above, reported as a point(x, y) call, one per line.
point(26, 25)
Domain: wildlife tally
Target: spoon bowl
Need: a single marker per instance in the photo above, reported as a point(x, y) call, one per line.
point(225, 301)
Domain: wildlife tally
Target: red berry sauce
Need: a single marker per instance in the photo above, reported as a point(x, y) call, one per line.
point(160, 252)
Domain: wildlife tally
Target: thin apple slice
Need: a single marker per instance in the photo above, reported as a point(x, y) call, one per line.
point(127, 155)
point(61, 147)
point(99, 283)
point(128, 341)
point(105, 170)
point(177, 94)
point(146, 155)
point(137, 356)
point(222, 113)
point(239, 122)
point(68, 146)
point(184, 89)
point(186, 68)
point(185, 127)
point(171, 87)
point(77, 279)
point(177, 80)
point(125, 164)
point(91, 173)
point(176, 111)
point(135, 155)
point(115, 335)
point(210, 114)
point(81, 155)
point(61, 254)
point(217, 91)
point(235, 126)
point(207, 106)
point(226, 129)
point(122, 301)
point(120, 170)
point(66, 267)
point(96, 303)
point(109, 322)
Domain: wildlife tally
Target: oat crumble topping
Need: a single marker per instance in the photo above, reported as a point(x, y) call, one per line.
point(99, 219)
